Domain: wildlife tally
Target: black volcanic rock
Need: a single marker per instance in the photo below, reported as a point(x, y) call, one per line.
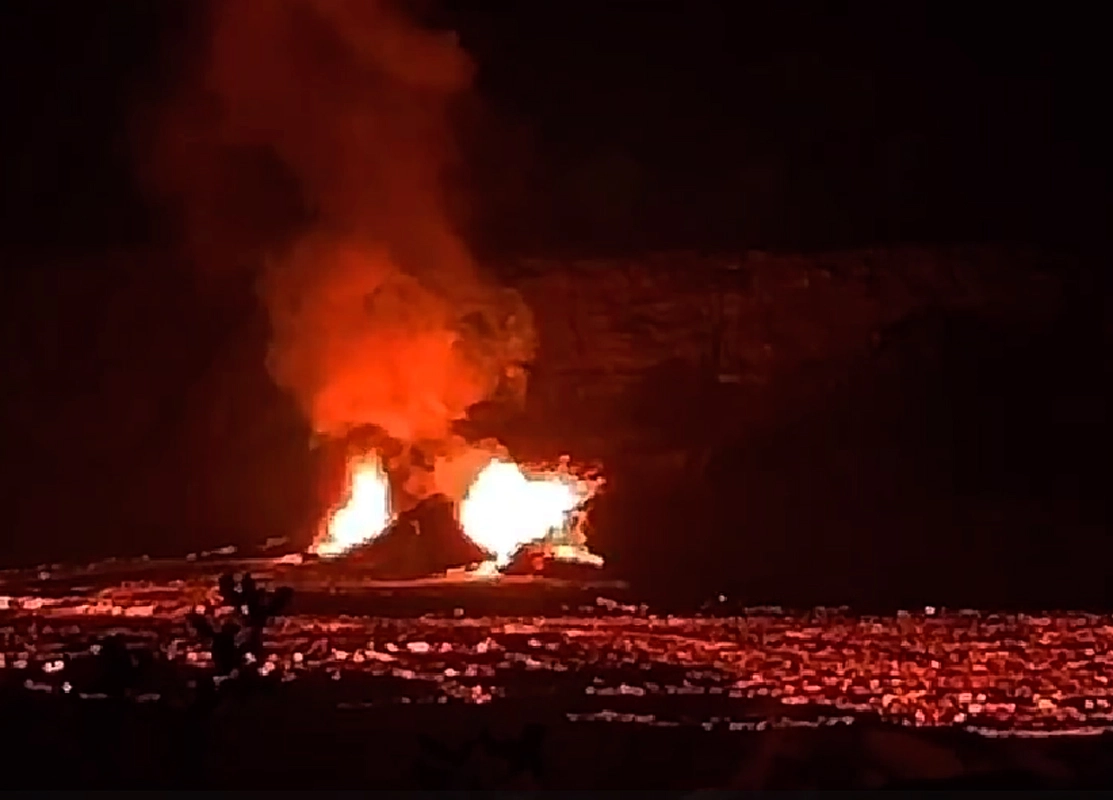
point(426, 540)
point(533, 560)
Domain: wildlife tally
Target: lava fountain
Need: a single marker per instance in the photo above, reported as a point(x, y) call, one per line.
point(504, 508)
point(365, 514)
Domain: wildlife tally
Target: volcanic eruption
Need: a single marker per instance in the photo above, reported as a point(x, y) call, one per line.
point(380, 318)
point(503, 509)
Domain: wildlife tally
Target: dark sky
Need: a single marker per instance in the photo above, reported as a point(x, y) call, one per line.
point(706, 123)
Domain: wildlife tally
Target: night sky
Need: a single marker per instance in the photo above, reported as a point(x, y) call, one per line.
point(597, 127)
point(711, 124)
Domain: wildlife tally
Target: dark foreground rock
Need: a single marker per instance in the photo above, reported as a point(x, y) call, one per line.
point(425, 540)
point(303, 740)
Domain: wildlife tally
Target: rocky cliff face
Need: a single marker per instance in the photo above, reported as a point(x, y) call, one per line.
point(630, 347)
point(837, 416)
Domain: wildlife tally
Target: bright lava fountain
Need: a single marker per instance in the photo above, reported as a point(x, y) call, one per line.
point(364, 516)
point(503, 509)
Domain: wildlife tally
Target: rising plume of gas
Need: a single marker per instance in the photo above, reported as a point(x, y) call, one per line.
point(379, 314)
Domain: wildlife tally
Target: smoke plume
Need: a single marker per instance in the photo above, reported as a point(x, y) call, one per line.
point(379, 315)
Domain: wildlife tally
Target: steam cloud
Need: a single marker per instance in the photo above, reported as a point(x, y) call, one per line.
point(379, 314)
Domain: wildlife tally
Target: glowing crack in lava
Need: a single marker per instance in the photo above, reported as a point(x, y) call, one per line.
point(364, 516)
point(504, 509)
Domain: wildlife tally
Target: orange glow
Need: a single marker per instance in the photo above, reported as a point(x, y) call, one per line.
point(364, 516)
point(504, 509)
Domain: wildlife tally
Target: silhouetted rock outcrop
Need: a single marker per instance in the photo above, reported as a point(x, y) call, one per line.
point(426, 540)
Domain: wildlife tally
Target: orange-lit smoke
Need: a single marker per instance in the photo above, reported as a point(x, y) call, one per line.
point(378, 312)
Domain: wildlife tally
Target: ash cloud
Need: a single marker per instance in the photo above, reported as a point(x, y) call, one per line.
point(379, 314)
